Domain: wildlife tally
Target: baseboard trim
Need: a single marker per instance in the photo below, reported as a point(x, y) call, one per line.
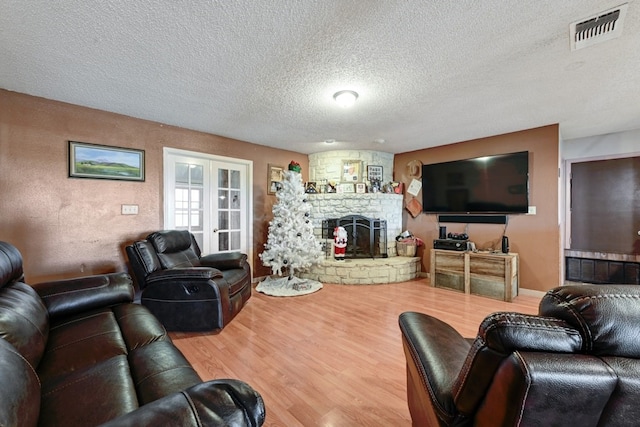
point(531, 293)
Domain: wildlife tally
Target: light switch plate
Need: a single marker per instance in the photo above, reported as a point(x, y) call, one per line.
point(129, 209)
point(532, 210)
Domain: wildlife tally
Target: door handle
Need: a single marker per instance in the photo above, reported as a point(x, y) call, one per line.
point(215, 230)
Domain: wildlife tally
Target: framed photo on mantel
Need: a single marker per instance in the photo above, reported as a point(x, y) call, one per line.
point(374, 173)
point(346, 188)
point(351, 171)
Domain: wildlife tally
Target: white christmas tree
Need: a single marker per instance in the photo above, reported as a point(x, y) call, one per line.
point(291, 244)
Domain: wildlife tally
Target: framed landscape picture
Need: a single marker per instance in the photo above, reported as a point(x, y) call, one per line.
point(105, 162)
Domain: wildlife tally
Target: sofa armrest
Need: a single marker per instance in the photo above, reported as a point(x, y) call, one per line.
point(182, 274)
point(71, 296)
point(224, 260)
point(435, 354)
point(213, 403)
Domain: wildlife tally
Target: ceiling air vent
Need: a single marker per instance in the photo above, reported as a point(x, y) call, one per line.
point(604, 26)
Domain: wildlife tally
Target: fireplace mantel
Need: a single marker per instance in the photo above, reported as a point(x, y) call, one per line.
point(373, 205)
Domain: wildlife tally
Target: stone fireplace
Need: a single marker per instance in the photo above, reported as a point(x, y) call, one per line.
point(374, 209)
point(367, 236)
point(374, 206)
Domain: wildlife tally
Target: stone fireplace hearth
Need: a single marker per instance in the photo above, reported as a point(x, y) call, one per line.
point(361, 271)
point(365, 271)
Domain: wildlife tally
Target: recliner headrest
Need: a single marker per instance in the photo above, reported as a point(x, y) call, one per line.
point(607, 316)
point(10, 264)
point(170, 241)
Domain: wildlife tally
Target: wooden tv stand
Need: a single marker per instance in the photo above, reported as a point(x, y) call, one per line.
point(489, 274)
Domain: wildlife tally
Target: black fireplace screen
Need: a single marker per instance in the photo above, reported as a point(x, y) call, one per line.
point(367, 237)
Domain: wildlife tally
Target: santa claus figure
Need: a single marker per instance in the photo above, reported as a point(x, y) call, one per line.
point(339, 243)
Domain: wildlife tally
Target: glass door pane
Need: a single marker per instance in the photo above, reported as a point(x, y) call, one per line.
point(188, 199)
point(229, 208)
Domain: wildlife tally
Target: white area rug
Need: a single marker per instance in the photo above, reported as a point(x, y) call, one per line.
point(283, 287)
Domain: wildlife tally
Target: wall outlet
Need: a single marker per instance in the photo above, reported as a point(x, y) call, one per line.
point(532, 210)
point(129, 209)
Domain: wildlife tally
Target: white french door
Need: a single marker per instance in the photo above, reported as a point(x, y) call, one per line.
point(211, 197)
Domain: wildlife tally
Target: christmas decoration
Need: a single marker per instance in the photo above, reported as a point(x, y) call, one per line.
point(291, 244)
point(339, 243)
point(295, 166)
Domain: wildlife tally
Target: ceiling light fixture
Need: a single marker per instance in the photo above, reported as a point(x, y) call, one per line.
point(329, 141)
point(345, 98)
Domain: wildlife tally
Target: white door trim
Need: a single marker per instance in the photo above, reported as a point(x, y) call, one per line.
point(248, 164)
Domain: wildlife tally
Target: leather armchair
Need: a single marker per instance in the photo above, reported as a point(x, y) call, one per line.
point(576, 363)
point(185, 290)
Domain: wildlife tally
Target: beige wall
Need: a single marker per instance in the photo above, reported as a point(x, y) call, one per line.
point(66, 227)
point(535, 237)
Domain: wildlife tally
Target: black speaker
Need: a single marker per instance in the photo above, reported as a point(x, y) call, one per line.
point(505, 245)
point(443, 232)
point(474, 219)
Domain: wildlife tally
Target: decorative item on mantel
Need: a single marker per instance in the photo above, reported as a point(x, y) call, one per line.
point(310, 188)
point(295, 166)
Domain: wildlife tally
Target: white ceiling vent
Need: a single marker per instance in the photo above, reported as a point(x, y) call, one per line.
point(604, 26)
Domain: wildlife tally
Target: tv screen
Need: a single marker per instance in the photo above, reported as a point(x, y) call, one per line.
point(493, 184)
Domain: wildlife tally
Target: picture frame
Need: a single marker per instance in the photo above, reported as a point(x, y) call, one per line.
point(361, 187)
point(374, 173)
point(310, 187)
point(97, 161)
point(346, 188)
point(414, 187)
point(351, 171)
point(275, 176)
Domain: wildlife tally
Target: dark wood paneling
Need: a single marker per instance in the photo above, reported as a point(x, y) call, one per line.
point(602, 271)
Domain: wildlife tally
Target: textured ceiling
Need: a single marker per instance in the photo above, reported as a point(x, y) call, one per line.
point(428, 72)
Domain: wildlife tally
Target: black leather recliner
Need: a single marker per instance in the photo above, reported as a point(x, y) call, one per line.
point(577, 363)
point(187, 291)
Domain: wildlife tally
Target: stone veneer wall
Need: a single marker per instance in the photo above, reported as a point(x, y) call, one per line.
point(328, 165)
point(373, 205)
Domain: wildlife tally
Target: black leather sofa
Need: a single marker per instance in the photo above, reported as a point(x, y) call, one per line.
point(185, 290)
point(80, 353)
point(577, 363)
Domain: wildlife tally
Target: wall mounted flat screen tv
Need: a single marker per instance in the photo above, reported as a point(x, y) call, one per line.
point(485, 185)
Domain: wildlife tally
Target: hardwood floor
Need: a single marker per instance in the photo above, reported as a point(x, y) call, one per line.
point(332, 358)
